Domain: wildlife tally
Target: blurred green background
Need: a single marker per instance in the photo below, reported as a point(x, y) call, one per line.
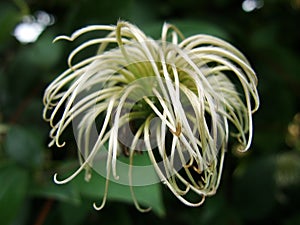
point(258, 187)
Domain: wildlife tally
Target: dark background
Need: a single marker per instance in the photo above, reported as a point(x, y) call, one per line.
point(258, 187)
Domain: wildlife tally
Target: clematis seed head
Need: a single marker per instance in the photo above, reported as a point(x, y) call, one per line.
point(176, 99)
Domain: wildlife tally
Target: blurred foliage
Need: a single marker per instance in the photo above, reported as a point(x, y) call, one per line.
point(258, 187)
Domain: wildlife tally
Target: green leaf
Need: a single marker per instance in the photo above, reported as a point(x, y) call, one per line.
point(73, 214)
point(148, 196)
point(13, 189)
point(65, 193)
point(23, 146)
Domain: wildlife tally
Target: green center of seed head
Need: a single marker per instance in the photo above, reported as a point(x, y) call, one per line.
point(142, 108)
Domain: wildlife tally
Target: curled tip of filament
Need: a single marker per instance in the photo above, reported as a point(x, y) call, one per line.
point(201, 201)
point(60, 145)
point(98, 207)
point(144, 210)
point(242, 148)
point(56, 180)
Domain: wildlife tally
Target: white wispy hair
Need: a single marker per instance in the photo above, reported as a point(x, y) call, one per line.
point(200, 89)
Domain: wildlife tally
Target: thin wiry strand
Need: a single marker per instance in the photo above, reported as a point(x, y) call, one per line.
point(87, 123)
point(89, 43)
point(115, 128)
point(248, 91)
point(85, 30)
point(175, 33)
point(208, 40)
point(70, 95)
point(172, 183)
point(132, 147)
point(172, 171)
point(82, 106)
point(160, 173)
